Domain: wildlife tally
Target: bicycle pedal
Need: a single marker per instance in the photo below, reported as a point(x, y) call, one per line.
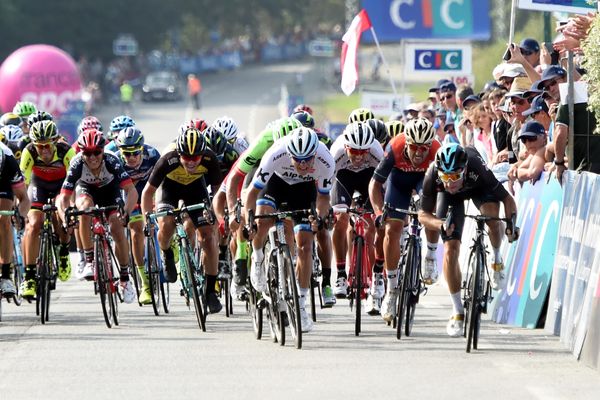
point(261, 304)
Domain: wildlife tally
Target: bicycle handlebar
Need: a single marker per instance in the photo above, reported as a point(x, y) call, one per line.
point(177, 211)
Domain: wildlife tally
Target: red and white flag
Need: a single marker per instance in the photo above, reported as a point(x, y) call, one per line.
point(351, 38)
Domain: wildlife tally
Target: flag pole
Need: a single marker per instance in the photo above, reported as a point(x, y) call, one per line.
point(387, 67)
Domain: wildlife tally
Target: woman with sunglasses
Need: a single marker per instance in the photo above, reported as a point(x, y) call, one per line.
point(297, 171)
point(356, 154)
point(44, 164)
point(97, 178)
point(403, 167)
point(138, 159)
point(459, 174)
point(182, 174)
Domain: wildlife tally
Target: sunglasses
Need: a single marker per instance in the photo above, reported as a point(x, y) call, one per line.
point(43, 146)
point(450, 176)
point(131, 153)
point(526, 139)
point(357, 152)
point(418, 148)
point(444, 98)
point(550, 84)
point(92, 153)
point(519, 102)
point(301, 160)
point(190, 158)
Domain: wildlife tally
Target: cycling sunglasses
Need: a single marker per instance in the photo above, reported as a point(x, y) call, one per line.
point(131, 153)
point(418, 147)
point(301, 160)
point(44, 146)
point(190, 158)
point(357, 152)
point(450, 176)
point(92, 153)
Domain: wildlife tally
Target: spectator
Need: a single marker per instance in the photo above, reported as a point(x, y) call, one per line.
point(484, 139)
point(126, 91)
point(501, 125)
point(508, 73)
point(551, 78)
point(533, 138)
point(194, 89)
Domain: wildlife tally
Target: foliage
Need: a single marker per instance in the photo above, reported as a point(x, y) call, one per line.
point(591, 50)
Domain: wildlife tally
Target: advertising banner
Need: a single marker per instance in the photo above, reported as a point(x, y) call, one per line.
point(383, 104)
point(436, 58)
point(567, 6)
point(394, 20)
point(529, 260)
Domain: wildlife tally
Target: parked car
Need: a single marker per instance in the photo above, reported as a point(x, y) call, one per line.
point(161, 85)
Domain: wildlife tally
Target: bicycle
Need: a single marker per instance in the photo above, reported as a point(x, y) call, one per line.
point(135, 276)
point(282, 291)
point(224, 282)
point(106, 274)
point(410, 281)
point(359, 272)
point(153, 266)
point(47, 264)
point(193, 281)
point(18, 265)
point(477, 290)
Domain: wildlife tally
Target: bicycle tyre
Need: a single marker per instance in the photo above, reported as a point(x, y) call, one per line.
point(275, 316)
point(133, 271)
point(480, 299)
point(473, 306)
point(414, 288)
point(401, 309)
point(113, 282)
point(44, 283)
point(165, 295)
point(18, 272)
point(100, 272)
point(256, 313)
point(195, 288)
point(292, 299)
point(358, 249)
point(313, 307)
point(153, 274)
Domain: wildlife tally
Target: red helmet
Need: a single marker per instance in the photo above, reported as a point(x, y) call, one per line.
point(197, 123)
point(88, 123)
point(91, 139)
point(303, 107)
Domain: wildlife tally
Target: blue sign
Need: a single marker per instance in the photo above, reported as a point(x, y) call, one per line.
point(428, 19)
point(438, 60)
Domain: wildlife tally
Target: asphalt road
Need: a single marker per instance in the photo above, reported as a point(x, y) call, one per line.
point(75, 356)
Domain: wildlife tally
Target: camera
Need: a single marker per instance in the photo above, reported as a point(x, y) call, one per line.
point(507, 54)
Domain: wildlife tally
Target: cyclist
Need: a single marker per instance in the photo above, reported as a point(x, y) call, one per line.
point(230, 130)
point(117, 124)
point(97, 178)
point(294, 165)
point(356, 154)
point(11, 118)
point(138, 159)
point(303, 107)
point(12, 184)
point(403, 167)
point(460, 174)
point(24, 109)
point(394, 128)
point(39, 116)
point(360, 115)
point(12, 136)
point(241, 176)
point(182, 174)
point(44, 164)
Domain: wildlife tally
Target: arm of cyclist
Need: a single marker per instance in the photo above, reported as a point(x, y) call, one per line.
point(510, 210)
point(428, 203)
point(147, 202)
point(20, 192)
point(376, 196)
point(132, 197)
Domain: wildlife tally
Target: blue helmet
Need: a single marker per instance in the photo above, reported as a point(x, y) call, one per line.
point(451, 157)
point(305, 118)
point(121, 122)
point(130, 137)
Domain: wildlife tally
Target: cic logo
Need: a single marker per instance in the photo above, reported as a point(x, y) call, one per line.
point(441, 17)
point(438, 60)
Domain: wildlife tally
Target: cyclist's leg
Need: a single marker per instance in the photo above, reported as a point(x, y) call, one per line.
point(341, 237)
point(208, 237)
point(167, 197)
point(6, 245)
point(84, 196)
point(496, 234)
point(31, 246)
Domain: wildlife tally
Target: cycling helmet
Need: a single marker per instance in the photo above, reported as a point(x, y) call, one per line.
point(394, 128)
point(39, 116)
point(451, 157)
point(11, 119)
point(24, 108)
point(419, 131)
point(359, 136)
point(130, 137)
point(91, 139)
point(12, 133)
point(379, 130)
point(121, 122)
point(360, 115)
point(215, 140)
point(227, 126)
point(305, 119)
point(303, 107)
point(43, 131)
point(286, 126)
point(197, 123)
point(302, 143)
point(190, 142)
point(89, 122)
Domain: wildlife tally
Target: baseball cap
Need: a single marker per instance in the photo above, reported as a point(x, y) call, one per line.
point(470, 99)
point(535, 89)
point(552, 72)
point(537, 104)
point(531, 129)
point(519, 86)
point(438, 84)
point(448, 87)
point(529, 45)
point(513, 70)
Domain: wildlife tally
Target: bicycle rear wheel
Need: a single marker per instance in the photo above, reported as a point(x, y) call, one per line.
point(153, 272)
point(43, 292)
point(357, 251)
point(18, 271)
point(134, 273)
point(104, 289)
point(291, 296)
point(196, 288)
point(474, 312)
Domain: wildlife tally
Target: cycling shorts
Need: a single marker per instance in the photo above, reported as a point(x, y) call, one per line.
point(170, 193)
point(400, 189)
point(347, 182)
point(285, 197)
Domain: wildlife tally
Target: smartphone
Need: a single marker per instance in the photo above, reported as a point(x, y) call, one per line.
point(553, 53)
point(507, 54)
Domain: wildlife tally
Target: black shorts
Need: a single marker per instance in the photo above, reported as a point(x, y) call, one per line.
point(347, 182)
point(399, 190)
point(170, 193)
point(285, 197)
point(104, 196)
point(39, 195)
point(457, 201)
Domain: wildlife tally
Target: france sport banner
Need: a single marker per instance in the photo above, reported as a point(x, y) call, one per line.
point(530, 259)
point(566, 237)
point(394, 20)
point(587, 280)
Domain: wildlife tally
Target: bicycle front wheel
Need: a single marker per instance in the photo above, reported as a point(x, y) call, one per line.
point(135, 275)
point(153, 273)
point(195, 287)
point(358, 250)
point(402, 309)
point(474, 311)
point(291, 296)
point(276, 317)
point(43, 295)
point(103, 289)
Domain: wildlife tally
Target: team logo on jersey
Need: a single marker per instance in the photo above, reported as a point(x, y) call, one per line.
point(262, 175)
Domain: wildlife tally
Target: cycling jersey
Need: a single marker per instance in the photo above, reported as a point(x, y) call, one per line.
point(228, 159)
point(10, 176)
point(277, 161)
point(39, 173)
point(255, 152)
point(169, 167)
point(342, 161)
point(323, 138)
point(111, 173)
point(140, 175)
point(396, 156)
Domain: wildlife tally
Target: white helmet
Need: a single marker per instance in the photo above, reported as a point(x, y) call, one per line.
point(227, 126)
point(11, 133)
point(359, 135)
point(419, 131)
point(302, 143)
